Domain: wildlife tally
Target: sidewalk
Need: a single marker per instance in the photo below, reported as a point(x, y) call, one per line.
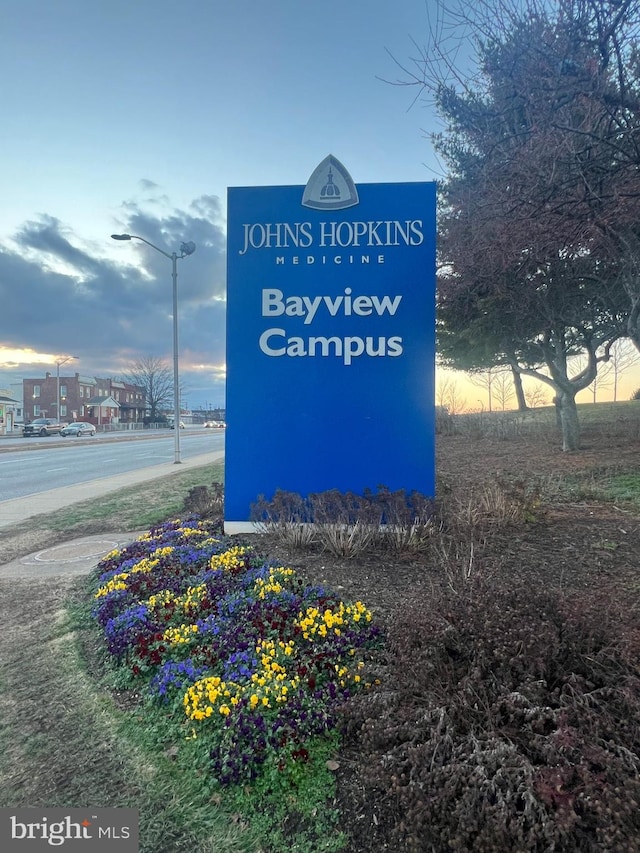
point(79, 556)
point(16, 510)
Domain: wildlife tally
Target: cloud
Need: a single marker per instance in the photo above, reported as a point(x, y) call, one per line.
point(60, 294)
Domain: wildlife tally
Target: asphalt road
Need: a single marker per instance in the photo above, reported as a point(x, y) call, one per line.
point(53, 463)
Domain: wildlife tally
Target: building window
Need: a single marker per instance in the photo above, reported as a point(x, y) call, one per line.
point(63, 391)
point(63, 411)
point(36, 390)
point(36, 411)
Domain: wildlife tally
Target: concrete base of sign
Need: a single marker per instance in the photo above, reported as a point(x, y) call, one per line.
point(233, 527)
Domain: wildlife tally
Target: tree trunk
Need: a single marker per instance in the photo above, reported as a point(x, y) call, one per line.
point(517, 384)
point(569, 424)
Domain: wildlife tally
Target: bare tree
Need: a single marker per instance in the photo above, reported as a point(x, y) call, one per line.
point(601, 382)
point(498, 382)
point(503, 388)
point(448, 396)
point(485, 379)
point(622, 356)
point(536, 397)
point(155, 376)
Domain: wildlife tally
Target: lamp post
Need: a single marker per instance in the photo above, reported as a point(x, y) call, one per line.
point(60, 361)
point(185, 249)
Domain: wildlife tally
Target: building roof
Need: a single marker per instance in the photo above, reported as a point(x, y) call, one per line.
point(4, 399)
point(103, 401)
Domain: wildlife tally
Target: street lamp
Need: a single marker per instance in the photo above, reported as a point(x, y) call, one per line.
point(58, 363)
point(185, 249)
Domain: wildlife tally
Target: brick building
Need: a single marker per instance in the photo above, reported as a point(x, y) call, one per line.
point(84, 398)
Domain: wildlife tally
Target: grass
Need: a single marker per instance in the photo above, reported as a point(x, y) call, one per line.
point(69, 737)
point(624, 488)
point(138, 506)
point(608, 411)
point(601, 419)
point(610, 484)
point(64, 740)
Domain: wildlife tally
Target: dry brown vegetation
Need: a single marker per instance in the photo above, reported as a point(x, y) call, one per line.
point(509, 712)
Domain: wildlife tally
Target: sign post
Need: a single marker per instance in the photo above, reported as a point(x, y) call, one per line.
point(330, 339)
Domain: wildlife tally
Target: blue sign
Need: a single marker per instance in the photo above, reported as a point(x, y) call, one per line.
point(330, 339)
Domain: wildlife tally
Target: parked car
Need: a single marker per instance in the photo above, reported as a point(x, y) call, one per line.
point(78, 428)
point(42, 426)
point(214, 425)
point(181, 424)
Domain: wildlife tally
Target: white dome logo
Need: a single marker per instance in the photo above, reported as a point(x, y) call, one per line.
point(330, 187)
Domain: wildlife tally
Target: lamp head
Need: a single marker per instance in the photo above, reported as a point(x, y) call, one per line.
point(61, 361)
point(121, 236)
point(187, 248)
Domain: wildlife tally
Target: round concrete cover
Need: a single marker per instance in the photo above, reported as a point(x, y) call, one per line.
point(76, 557)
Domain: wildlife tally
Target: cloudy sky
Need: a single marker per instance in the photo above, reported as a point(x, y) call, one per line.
point(136, 117)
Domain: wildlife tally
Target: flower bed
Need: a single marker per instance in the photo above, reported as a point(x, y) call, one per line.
point(250, 662)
